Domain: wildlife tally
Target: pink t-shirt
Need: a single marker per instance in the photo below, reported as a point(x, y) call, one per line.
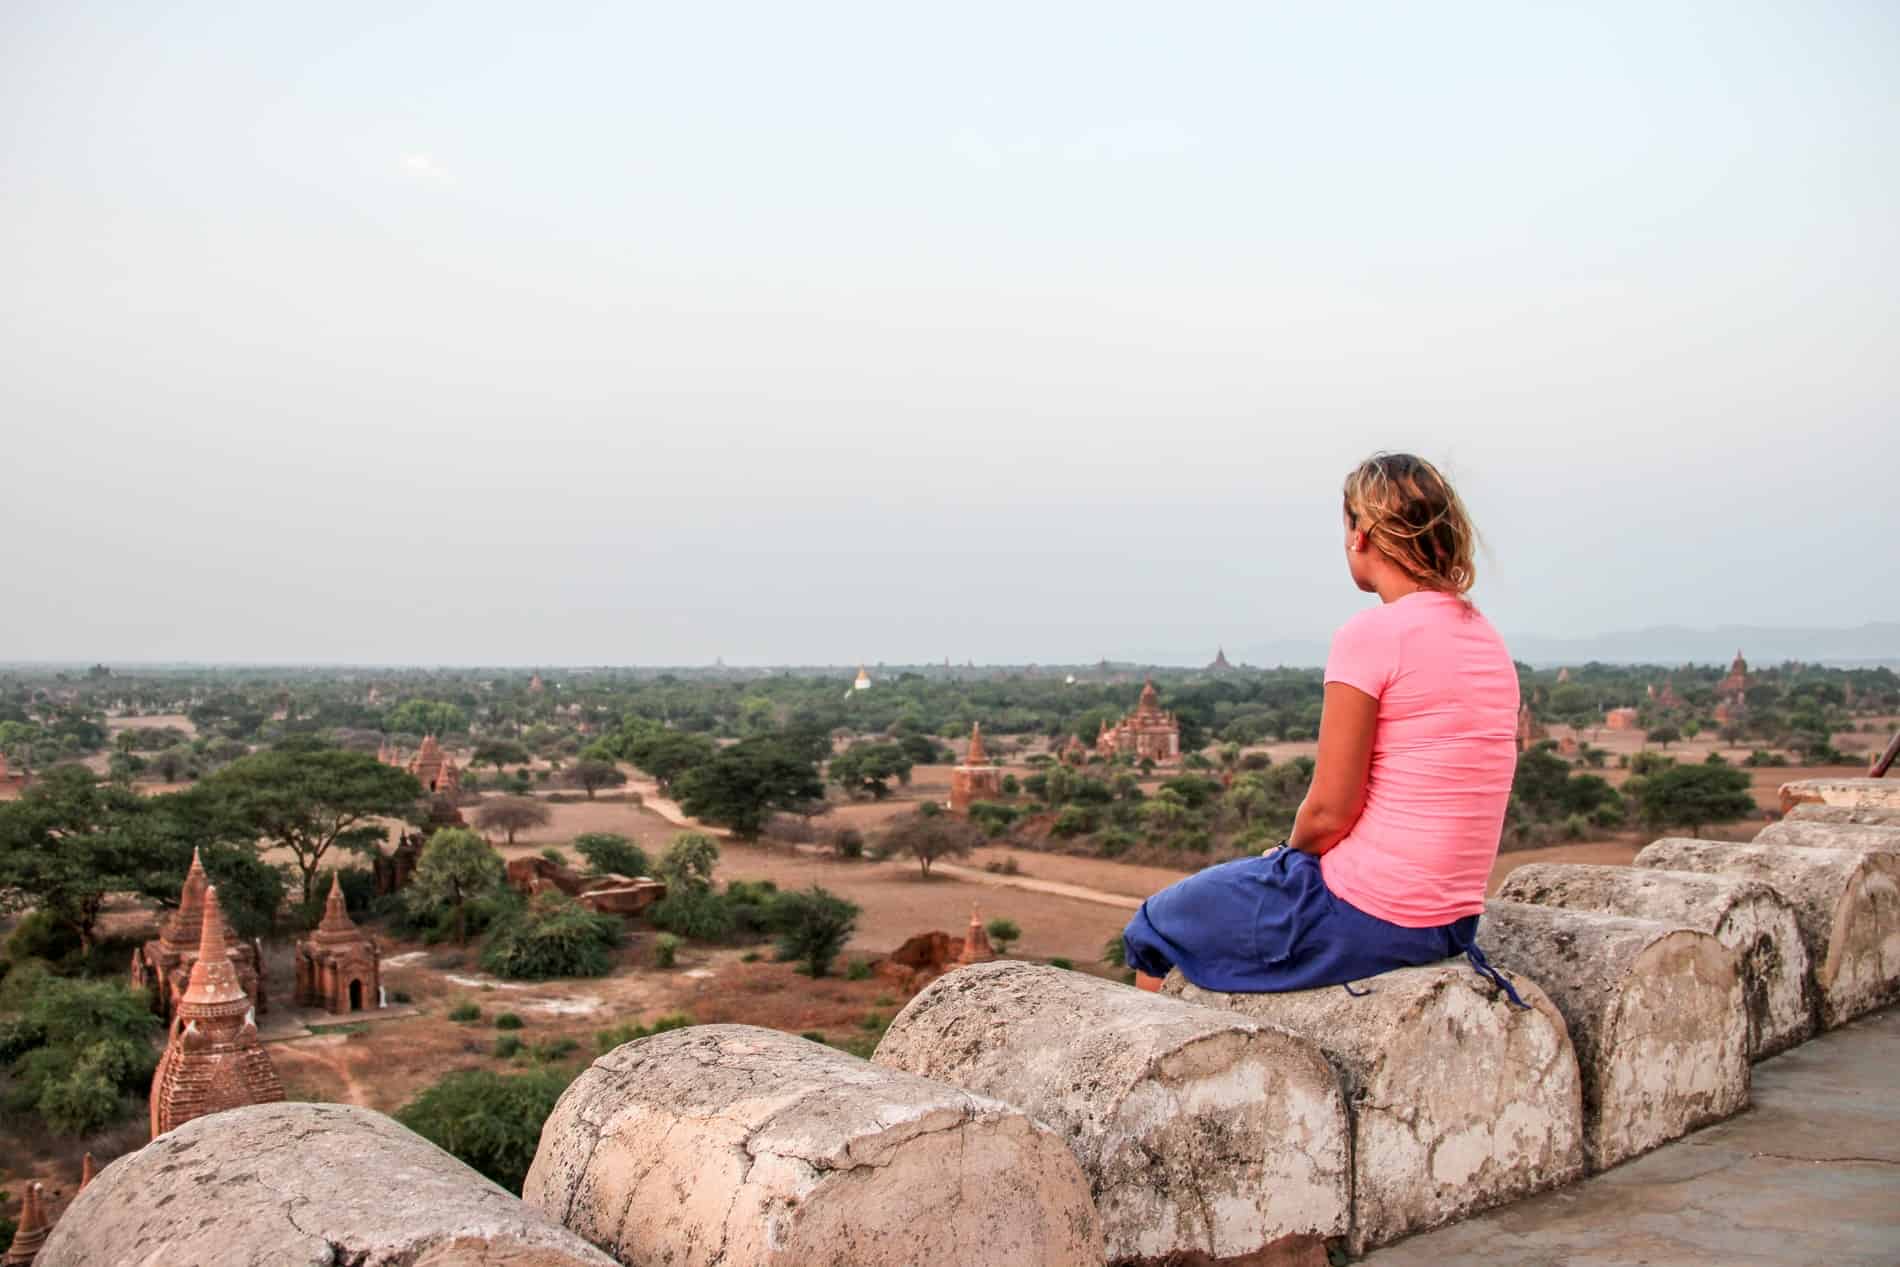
point(1442, 759)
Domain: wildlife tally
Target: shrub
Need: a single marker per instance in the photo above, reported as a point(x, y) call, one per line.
point(857, 970)
point(813, 927)
point(848, 842)
point(993, 817)
point(753, 906)
point(1115, 952)
point(506, 1046)
point(554, 1049)
point(77, 1052)
point(507, 1020)
point(551, 936)
point(489, 1120)
point(699, 914)
point(689, 862)
point(666, 950)
point(1074, 820)
point(1060, 962)
point(609, 853)
point(553, 854)
point(464, 1012)
point(1004, 933)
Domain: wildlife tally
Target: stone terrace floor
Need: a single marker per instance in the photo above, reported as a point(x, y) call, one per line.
point(1810, 1175)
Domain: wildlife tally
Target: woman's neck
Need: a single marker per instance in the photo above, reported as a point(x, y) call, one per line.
point(1393, 586)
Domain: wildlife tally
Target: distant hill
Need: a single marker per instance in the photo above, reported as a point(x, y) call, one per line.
point(1871, 644)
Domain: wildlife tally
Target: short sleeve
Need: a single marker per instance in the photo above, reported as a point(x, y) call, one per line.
point(1365, 654)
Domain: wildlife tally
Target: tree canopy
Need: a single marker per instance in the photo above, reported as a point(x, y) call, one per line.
point(740, 785)
point(457, 866)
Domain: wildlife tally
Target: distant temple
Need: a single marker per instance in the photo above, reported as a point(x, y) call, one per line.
point(213, 1060)
point(864, 680)
point(1220, 664)
point(1736, 683)
point(536, 685)
point(1620, 719)
point(1147, 733)
point(1528, 729)
point(338, 966)
point(976, 943)
point(433, 768)
point(162, 967)
point(1666, 699)
point(975, 779)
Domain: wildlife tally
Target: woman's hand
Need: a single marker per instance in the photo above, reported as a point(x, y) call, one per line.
point(1338, 793)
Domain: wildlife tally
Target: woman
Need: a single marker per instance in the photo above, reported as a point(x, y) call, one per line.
point(1391, 849)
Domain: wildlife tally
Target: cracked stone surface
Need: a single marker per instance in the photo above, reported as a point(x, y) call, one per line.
point(1847, 902)
point(730, 1145)
point(302, 1185)
point(1809, 1174)
point(1747, 916)
point(1199, 1130)
point(1803, 834)
point(1657, 1014)
point(1457, 1100)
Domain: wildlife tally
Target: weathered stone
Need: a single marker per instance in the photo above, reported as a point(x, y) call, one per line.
point(1855, 793)
point(1458, 1101)
point(1198, 1130)
point(1815, 812)
point(1847, 902)
point(1804, 835)
point(740, 1146)
point(302, 1185)
point(1747, 916)
point(1657, 1015)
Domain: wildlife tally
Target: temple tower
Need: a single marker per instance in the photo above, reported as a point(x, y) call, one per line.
point(976, 942)
point(213, 1060)
point(162, 965)
point(31, 1232)
point(975, 779)
point(338, 966)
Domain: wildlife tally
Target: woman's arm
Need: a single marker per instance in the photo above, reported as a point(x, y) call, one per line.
point(1338, 792)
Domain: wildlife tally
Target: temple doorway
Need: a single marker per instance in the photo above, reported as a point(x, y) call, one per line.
point(356, 996)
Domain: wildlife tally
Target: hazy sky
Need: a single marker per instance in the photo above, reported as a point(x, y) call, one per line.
point(626, 333)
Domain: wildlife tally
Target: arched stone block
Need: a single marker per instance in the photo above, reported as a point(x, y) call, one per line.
point(743, 1147)
point(1458, 1101)
point(1198, 1129)
point(1796, 834)
point(1855, 793)
point(1657, 1014)
point(1847, 901)
point(302, 1185)
point(1747, 916)
point(1815, 812)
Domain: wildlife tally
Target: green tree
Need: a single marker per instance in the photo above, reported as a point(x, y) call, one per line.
point(551, 935)
point(592, 774)
point(457, 866)
point(1004, 933)
point(76, 1052)
point(425, 717)
point(499, 752)
point(865, 769)
point(1664, 735)
point(742, 784)
point(665, 754)
point(309, 802)
point(814, 926)
point(511, 814)
point(68, 842)
point(1691, 795)
point(689, 862)
point(609, 853)
point(490, 1121)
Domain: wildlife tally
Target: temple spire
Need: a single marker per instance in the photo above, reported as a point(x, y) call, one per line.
point(213, 979)
point(31, 1233)
point(976, 754)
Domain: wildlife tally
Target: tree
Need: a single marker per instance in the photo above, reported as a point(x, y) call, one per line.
point(456, 867)
point(929, 837)
point(1004, 933)
point(1691, 795)
point(309, 801)
point(68, 842)
point(865, 769)
point(665, 754)
point(75, 1051)
point(1664, 735)
point(490, 1121)
point(741, 784)
point(592, 774)
point(689, 862)
point(512, 814)
point(425, 717)
point(814, 926)
point(499, 752)
point(609, 853)
point(551, 935)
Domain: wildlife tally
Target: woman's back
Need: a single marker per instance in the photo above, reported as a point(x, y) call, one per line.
point(1443, 757)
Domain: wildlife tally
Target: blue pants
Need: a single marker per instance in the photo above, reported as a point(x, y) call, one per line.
point(1270, 924)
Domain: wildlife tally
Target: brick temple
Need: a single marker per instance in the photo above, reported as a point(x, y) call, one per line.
point(1148, 733)
point(432, 767)
point(162, 967)
point(339, 967)
point(213, 1060)
point(975, 779)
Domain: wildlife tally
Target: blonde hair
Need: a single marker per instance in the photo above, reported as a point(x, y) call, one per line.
point(1411, 514)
